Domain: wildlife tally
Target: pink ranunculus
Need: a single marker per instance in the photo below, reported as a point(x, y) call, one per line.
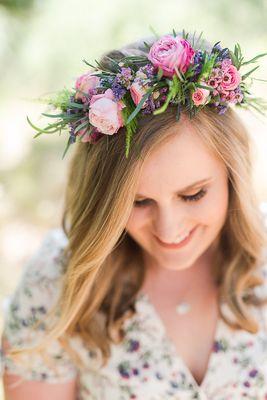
point(169, 53)
point(137, 92)
point(85, 83)
point(200, 96)
point(212, 82)
point(232, 96)
point(233, 78)
point(105, 113)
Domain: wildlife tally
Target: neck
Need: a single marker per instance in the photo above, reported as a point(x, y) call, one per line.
point(189, 283)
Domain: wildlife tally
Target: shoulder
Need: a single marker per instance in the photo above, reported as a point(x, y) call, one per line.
point(37, 291)
point(41, 275)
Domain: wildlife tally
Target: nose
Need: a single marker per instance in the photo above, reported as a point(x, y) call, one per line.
point(169, 223)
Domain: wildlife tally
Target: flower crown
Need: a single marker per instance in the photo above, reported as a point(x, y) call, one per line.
point(175, 72)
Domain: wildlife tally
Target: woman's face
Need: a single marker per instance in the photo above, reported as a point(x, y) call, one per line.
point(165, 210)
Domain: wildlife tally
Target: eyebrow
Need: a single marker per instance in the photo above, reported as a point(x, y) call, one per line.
point(197, 183)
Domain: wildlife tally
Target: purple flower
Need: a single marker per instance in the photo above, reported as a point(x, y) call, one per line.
point(133, 345)
point(215, 47)
point(221, 109)
point(159, 376)
point(135, 371)
point(247, 384)
point(124, 370)
point(219, 345)
point(149, 70)
point(150, 106)
point(125, 77)
point(174, 384)
point(198, 59)
point(118, 90)
point(253, 373)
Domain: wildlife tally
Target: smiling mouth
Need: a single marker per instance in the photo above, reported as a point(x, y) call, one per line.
point(176, 245)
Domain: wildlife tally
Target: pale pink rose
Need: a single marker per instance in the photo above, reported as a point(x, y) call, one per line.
point(85, 83)
point(137, 92)
point(231, 78)
point(169, 53)
point(200, 96)
point(105, 113)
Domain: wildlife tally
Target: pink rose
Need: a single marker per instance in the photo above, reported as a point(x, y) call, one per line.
point(85, 83)
point(169, 53)
point(200, 96)
point(137, 92)
point(231, 78)
point(105, 113)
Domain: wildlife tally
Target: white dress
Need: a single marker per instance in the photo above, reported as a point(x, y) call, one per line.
point(145, 365)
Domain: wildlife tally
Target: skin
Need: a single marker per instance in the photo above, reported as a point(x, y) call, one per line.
point(171, 275)
point(185, 273)
point(179, 162)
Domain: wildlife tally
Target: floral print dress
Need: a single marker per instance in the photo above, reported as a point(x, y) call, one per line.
point(145, 365)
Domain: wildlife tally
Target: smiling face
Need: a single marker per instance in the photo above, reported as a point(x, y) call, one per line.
point(165, 211)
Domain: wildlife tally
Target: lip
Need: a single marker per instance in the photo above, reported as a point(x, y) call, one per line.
point(179, 245)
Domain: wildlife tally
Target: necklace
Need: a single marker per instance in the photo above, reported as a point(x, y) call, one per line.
point(183, 307)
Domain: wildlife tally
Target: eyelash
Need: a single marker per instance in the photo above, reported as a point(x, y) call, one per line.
point(195, 197)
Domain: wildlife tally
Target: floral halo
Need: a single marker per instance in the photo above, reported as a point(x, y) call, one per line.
point(175, 72)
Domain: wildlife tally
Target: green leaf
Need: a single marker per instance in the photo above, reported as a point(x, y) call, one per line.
point(45, 130)
point(233, 58)
point(131, 127)
point(76, 105)
point(204, 86)
point(62, 115)
point(262, 80)
point(198, 39)
point(174, 33)
point(193, 39)
point(248, 73)
point(190, 85)
point(139, 106)
point(154, 32)
point(67, 147)
point(86, 123)
point(178, 112)
point(90, 65)
point(174, 86)
point(159, 74)
point(254, 59)
point(147, 45)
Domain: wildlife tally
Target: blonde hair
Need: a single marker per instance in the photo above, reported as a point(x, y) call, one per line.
point(105, 268)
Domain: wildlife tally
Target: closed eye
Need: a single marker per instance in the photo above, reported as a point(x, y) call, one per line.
point(194, 197)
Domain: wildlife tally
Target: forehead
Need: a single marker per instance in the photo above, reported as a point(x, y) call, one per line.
point(181, 160)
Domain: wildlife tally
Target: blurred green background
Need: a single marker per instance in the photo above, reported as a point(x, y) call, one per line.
point(42, 45)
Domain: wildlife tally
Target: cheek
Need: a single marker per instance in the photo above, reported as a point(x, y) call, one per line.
point(213, 210)
point(136, 221)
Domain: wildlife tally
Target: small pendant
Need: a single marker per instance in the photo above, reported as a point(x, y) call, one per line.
point(182, 308)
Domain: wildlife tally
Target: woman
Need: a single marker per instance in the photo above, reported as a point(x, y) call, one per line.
point(154, 286)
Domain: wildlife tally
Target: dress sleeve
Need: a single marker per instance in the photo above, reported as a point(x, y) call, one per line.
point(37, 291)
